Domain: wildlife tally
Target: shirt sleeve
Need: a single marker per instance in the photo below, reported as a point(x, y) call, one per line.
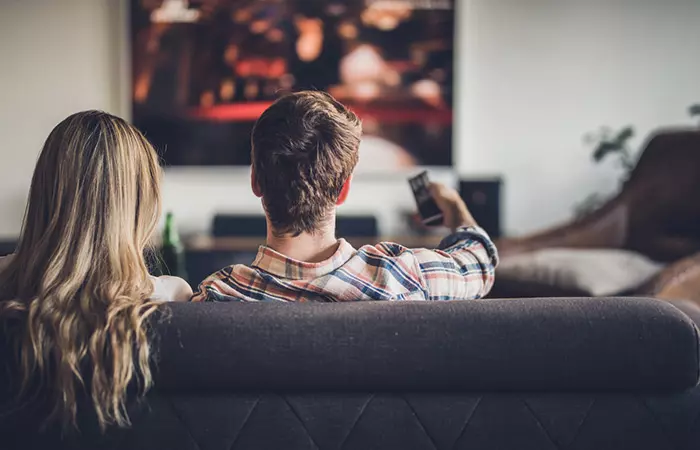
point(206, 288)
point(215, 288)
point(200, 295)
point(462, 268)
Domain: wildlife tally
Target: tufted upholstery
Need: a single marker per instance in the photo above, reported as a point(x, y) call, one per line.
point(620, 374)
point(362, 421)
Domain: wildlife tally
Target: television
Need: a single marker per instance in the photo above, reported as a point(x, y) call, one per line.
point(204, 70)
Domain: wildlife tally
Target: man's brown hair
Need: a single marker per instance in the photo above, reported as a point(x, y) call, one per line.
point(304, 148)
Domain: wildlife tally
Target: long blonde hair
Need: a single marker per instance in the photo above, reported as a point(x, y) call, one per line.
point(78, 284)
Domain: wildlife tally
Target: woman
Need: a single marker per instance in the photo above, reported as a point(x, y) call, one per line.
point(76, 295)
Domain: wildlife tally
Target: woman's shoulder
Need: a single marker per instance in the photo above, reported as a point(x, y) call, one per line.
point(171, 289)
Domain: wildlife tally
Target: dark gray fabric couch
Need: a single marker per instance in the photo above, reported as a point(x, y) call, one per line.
point(490, 374)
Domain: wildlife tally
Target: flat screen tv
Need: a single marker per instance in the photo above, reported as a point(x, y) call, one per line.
point(204, 70)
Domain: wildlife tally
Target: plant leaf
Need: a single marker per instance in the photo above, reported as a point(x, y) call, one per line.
point(604, 149)
point(625, 134)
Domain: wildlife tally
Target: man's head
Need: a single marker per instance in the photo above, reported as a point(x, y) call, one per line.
point(305, 147)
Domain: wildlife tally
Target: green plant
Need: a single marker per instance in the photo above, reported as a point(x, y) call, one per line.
point(607, 143)
point(694, 110)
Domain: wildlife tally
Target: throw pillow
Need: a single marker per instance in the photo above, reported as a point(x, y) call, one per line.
point(598, 272)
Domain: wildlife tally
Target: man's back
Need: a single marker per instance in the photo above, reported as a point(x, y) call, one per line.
point(463, 269)
point(304, 151)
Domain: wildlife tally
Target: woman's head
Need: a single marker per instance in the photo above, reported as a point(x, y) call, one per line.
point(78, 280)
point(95, 189)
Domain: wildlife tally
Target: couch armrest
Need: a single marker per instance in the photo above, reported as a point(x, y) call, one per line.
point(678, 281)
point(689, 308)
point(489, 345)
point(605, 228)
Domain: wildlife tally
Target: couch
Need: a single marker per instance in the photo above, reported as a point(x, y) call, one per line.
point(680, 280)
point(493, 374)
point(654, 214)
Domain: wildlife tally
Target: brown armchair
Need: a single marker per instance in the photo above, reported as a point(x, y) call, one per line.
point(657, 213)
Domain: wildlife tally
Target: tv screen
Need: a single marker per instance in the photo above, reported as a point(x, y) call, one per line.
point(204, 71)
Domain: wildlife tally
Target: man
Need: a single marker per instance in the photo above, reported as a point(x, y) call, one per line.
point(304, 151)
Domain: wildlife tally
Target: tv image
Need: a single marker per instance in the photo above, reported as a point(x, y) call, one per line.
point(204, 70)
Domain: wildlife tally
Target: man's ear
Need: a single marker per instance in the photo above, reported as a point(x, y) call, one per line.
point(254, 184)
point(344, 192)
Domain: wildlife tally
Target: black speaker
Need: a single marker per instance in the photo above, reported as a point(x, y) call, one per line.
point(483, 198)
point(245, 225)
point(356, 226)
point(7, 246)
point(239, 225)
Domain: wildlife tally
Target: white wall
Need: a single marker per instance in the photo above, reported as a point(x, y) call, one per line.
point(535, 75)
point(56, 58)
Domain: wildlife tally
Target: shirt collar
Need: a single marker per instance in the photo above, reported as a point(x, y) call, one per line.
point(281, 266)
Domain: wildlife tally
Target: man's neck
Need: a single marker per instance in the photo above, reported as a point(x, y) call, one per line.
point(306, 247)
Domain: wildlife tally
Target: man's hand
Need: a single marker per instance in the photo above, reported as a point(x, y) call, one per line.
point(454, 210)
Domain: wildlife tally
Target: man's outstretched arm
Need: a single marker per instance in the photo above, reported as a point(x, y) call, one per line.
point(463, 266)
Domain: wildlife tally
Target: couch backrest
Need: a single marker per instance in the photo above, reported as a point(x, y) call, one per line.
point(492, 345)
point(661, 196)
point(218, 362)
point(487, 345)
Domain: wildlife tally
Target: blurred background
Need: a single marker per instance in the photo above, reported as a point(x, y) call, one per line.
point(203, 71)
point(509, 90)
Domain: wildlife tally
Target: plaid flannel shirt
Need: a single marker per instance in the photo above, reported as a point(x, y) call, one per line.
point(462, 268)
